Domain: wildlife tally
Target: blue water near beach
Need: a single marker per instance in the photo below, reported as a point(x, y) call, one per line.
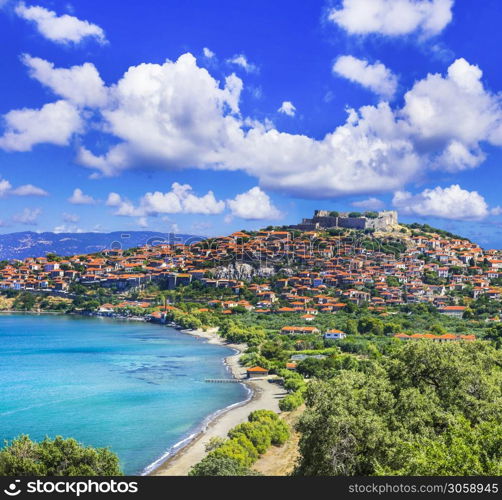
point(135, 387)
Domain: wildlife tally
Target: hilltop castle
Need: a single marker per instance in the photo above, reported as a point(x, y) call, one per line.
point(324, 219)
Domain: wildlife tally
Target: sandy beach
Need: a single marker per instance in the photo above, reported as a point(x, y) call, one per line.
point(265, 396)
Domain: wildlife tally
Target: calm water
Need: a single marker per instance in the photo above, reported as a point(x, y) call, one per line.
point(135, 387)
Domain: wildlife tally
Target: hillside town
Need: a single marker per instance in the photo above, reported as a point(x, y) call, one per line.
point(323, 305)
point(283, 270)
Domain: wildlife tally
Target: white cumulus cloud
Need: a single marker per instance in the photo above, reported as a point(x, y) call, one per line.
point(29, 190)
point(65, 228)
point(6, 189)
point(376, 77)
point(393, 17)
point(176, 115)
point(208, 53)
point(180, 199)
point(81, 85)
point(113, 200)
point(254, 205)
point(54, 123)
point(79, 198)
point(448, 203)
point(28, 217)
point(242, 61)
point(142, 222)
point(287, 108)
point(456, 112)
point(60, 29)
point(369, 204)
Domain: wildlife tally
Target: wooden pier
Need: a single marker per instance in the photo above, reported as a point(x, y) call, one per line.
point(223, 380)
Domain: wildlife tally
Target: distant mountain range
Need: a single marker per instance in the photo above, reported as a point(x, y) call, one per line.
point(31, 244)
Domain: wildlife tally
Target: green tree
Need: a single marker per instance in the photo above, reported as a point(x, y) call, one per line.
point(279, 430)
point(351, 327)
point(239, 448)
point(437, 329)
point(369, 325)
point(219, 465)
point(56, 457)
point(462, 450)
point(371, 215)
point(291, 402)
point(214, 442)
point(422, 409)
point(257, 432)
point(495, 334)
point(24, 302)
point(392, 281)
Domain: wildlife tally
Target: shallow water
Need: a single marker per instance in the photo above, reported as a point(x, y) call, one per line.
point(135, 387)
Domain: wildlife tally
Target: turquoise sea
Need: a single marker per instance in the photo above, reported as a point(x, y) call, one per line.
point(135, 387)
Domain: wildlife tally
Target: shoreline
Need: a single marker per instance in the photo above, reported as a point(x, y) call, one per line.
point(11, 311)
point(211, 337)
point(264, 395)
point(179, 459)
point(63, 313)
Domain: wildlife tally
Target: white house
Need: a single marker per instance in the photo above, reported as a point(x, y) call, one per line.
point(334, 335)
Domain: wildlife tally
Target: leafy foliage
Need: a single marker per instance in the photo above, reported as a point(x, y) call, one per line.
point(56, 457)
point(246, 442)
point(425, 408)
point(426, 229)
point(220, 465)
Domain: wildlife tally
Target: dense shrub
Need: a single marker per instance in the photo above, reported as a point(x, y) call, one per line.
point(279, 430)
point(280, 433)
point(291, 402)
point(56, 457)
point(246, 442)
point(258, 415)
point(240, 448)
point(293, 384)
point(258, 433)
point(219, 465)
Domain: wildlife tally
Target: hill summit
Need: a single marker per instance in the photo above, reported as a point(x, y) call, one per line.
point(325, 219)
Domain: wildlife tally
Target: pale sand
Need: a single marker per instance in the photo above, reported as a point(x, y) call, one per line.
point(266, 396)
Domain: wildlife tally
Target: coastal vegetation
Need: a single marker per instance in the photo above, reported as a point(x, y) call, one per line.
point(56, 457)
point(246, 442)
point(295, 384)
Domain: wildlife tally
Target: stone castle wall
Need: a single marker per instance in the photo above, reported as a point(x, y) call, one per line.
point(323, 220)
point(353, 222)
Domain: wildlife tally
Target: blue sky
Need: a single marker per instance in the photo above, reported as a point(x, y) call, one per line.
point(208, 117)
